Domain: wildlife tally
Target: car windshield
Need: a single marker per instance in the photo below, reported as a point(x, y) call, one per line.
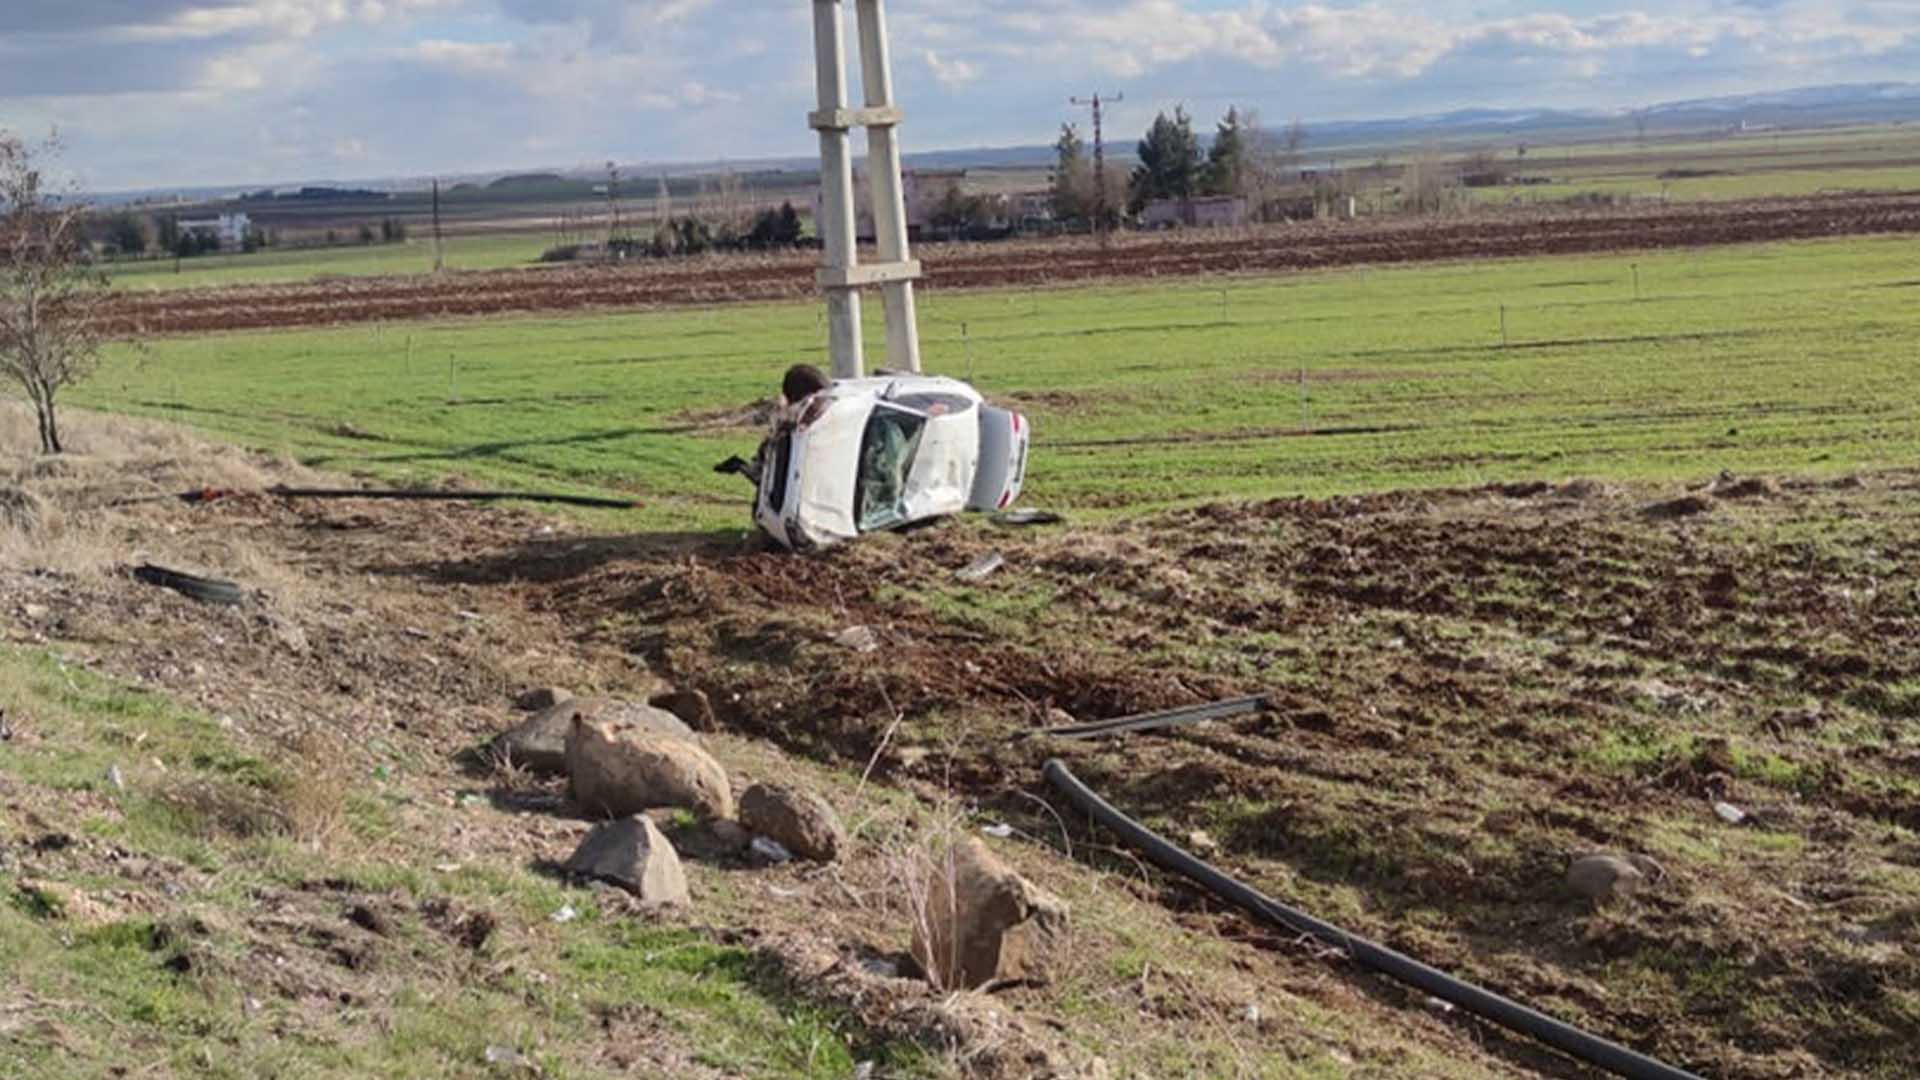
point(886, 456)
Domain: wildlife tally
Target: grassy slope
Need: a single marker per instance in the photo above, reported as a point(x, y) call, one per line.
point(1774, 357)
point(175, 989)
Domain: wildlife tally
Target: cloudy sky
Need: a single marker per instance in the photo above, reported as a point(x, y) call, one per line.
point(152, 93)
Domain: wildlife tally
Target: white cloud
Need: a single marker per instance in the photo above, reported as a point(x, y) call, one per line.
point(456, 84)
point(949, 73)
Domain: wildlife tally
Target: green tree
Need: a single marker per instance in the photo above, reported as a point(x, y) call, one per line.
point(1226, 172)
point(1169, 161)
point(693, 236)
point(958, 213)
point(774, 229)
point(127, 233)
point(1072, 177)
point(166, 233)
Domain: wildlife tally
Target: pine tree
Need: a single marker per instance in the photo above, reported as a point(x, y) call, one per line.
point(1170, 161)
point(1072, 177)
point(1227, 161)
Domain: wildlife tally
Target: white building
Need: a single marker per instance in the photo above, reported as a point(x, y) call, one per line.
point(231, 229)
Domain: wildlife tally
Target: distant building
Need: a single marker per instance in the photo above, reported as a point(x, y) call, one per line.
point(1032, 209)
point(230, 229)
point(920, 189)
point(1204, 212)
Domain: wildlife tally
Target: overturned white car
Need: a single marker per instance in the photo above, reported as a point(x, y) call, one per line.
point(869, 455)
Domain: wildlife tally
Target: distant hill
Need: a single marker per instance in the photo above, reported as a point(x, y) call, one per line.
point(1807, 106)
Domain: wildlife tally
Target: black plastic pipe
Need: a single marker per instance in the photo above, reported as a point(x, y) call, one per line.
point(451, 496)
point(1186, 714)
point(1506, 1012)
point(207, 495)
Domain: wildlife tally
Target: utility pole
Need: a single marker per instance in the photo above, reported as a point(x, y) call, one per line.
point(613, 205)
point(842, 274)
point(1099, 162)
point(439, 250)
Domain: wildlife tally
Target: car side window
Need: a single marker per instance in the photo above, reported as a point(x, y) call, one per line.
point(886, 457)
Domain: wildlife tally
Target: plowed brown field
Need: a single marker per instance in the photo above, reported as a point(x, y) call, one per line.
point(1264, 250)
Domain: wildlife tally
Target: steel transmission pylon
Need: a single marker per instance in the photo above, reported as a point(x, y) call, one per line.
point(1100, 213)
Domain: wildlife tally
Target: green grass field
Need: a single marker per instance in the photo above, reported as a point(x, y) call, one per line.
point(488, 251)
point(1731, 185)
point(1791, 357)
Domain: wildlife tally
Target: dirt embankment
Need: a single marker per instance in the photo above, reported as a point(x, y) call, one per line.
point(1471, 689)
point(1320, 245)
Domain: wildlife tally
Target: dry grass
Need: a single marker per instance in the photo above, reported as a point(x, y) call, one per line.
point(921, 871)
point(313, 797)
point(57, 514)
point(305, 802)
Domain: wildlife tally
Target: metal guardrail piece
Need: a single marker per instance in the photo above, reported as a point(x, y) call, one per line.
point(1187, 714)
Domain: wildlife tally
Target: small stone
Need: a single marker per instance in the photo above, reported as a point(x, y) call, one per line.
point(507, 1056)
point(633, 854)
point(985, 925)
point(728, 835)
point(981, 568)
point(539, 745)
point(799, 820)
point(691, 706)
point(542, 698)
point(1200, 842)
point(770, 851)
point(1605, 877)
point(860, 639)
point(1729, 813)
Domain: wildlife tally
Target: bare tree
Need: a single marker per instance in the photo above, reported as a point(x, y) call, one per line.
point(1271, 169)
point(51, 299)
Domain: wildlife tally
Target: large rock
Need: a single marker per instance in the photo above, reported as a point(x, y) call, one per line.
point(622, 767)
point(1601, 878)
point(633, 854)
point(798, 820)
point(985, 925)
point(540, 744)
